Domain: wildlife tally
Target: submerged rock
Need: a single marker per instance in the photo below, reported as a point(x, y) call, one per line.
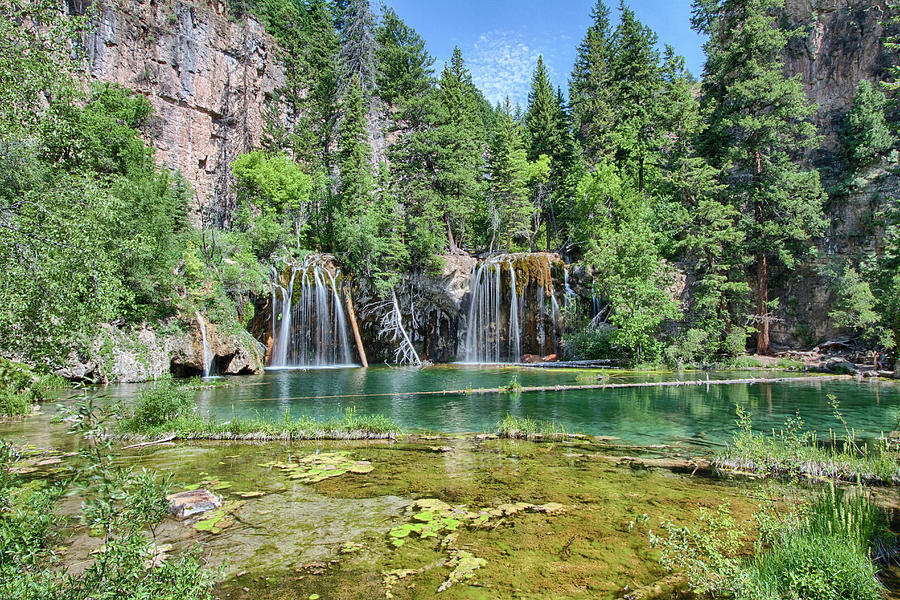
point(193, 502)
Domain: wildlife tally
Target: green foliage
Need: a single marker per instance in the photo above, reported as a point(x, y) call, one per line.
point(867, 135)
point(119, 504)
point(21, 387)
point(758, 123)
point(271, 183)
point(793, 450)
point(855, 308)
point(590, 85)
point(190, 425)
point(588, 344)
point(404, 65)
point(92, 231)
point(620, 248)
point(160, 403)
point(819, 551)
point(512, 427)
point(36, 62)
point(510, 209)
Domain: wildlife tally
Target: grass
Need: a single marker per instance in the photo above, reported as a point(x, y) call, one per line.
point(794, 451)
point(168, 409)
point(512, 427)
point(823, 550)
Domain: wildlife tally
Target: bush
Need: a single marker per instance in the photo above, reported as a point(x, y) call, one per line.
point(817, 552)
point(588, 344)
point(161, 403)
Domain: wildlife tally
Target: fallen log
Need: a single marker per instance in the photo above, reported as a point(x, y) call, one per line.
point(593, 386)
point(153, 443)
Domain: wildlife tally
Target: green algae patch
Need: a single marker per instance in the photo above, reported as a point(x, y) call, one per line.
point(217, 520)
point(464, 566)
point(314, 468)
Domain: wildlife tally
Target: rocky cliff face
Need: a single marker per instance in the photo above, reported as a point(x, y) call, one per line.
point(840, 43)
point(207, 76)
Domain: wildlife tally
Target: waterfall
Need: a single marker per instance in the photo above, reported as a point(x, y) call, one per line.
point(570, 295)
point(507, 310)
point(313, 328)
point(207, 360)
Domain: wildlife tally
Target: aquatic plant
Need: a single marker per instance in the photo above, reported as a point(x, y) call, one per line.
point(160, 403)
point(792, 450)
point(351, 426)
point(818, 551)
point(513, 427)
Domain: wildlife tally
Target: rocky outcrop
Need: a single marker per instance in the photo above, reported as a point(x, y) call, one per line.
point(207, 76)
point(840, 45)
point(146, 353)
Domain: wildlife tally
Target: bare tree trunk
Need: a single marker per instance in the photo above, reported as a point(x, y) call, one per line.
point(352, 315)
point(454, 249)
point(762, 340)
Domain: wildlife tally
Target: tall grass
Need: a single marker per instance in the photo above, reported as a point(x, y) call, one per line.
point(512, 427)
point(819, 551)
point(167, 408)
point(793, 450)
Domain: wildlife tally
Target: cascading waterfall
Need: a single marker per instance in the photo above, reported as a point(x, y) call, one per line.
point(496, 327)
point(570, 295)
point(207, 360)
point(312, 331)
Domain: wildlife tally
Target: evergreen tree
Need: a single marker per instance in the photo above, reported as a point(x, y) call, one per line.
point(589, 87)
point(709, 239)
point(759, 121)
point(541, 118)
point(892, 42)
point(356, 175)
point(459, 160)
point(545, 138)
point(635, 90)
point(357, 57)
point(511, 210)
point(404, 66)
point(867, 135)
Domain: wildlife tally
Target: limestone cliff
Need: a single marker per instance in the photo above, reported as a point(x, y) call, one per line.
point(206, 75)
point(839, 44)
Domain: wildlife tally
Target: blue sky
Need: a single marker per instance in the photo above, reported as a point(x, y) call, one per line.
point(502, 39)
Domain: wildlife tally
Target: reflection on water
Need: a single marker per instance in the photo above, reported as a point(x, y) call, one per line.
point(695, 415)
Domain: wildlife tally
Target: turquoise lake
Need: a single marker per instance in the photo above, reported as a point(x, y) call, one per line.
point(688, 415)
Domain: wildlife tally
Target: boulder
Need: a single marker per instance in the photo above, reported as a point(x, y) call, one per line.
point(193, 502)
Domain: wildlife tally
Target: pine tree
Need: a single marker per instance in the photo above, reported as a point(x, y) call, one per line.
point(511, 210)
point(758, 123)
point(892, 42)
point(541, 119)
point(459, 161)
point(867, 135)
point(709, 239)
point(404, 65)
point(357, 56)
point(589, 87)
point(635, 90)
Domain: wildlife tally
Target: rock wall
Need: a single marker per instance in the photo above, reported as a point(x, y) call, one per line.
point(148, 352)
point(207, 76)
point(840, 43)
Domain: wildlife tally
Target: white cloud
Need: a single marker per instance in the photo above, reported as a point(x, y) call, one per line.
point(501, 63)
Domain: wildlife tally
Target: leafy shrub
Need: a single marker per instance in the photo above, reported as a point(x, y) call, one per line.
point(161, 403)
point(588, 344)
point(817, 552)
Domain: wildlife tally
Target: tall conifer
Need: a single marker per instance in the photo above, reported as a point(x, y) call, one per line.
point(758, 126)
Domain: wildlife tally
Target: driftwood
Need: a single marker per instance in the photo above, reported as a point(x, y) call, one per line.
point(153, 443)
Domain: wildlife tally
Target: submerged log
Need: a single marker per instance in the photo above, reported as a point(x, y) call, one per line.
point(596, 386)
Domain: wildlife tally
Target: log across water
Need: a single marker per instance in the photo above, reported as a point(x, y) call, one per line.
point(594, 386)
